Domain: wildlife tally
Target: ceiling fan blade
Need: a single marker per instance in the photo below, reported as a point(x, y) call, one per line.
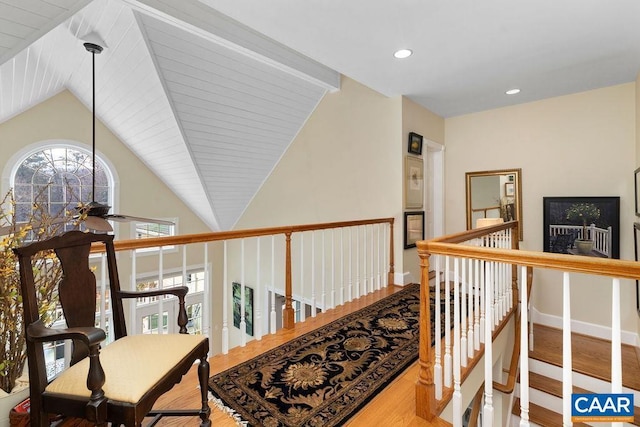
point(97, 223)
point(123, 218)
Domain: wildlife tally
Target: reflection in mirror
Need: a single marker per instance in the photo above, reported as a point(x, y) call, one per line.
point(494, 194)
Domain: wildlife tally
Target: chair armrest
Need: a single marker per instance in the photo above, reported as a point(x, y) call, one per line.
point(179, 291)
point(38, 332)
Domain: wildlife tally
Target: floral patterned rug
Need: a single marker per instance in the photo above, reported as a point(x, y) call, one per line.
point(327, 375)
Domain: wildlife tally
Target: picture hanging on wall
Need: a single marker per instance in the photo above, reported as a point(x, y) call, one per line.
point(413, 228)
point(582, 226)
point(414, 183)
point(248, 307)
point(415, 143)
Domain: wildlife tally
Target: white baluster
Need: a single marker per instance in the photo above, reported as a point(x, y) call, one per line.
point(487, 413)
point(358, 292)
point(437, 367)
point(483, 296)
point(303, 311)
point(323, 281)
point(342, 286)
point(567, 385)
point(476, 303)
point(313, 275)
point(616, 342)
point(333, 269)
point(257, 329)
point(273, 319)
point(524, 353)
point(373, 275)
point(160, 286)
point(447, 324)
point(225, 297)
point(379, 267)
point(470, 306)
point(364, 261)
point(243, 321)
point(134, 285)
point(463, 313)
point(457, 394)
point(206, 308)
point(350, 292)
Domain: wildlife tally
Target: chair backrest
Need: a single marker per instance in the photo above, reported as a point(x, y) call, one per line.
point(77, 288)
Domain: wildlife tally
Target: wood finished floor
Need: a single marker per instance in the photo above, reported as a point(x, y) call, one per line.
point(395, 406)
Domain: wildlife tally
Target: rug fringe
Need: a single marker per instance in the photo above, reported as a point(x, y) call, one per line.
point(227, 410)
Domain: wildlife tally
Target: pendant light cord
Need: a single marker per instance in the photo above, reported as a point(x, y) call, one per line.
point(93, 145)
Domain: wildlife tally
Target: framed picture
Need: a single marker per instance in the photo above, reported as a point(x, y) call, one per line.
point(568, 221)
point(415, 143)
point(413, 228)
point(636, 242)
point(414, 182)
point(248, 307)
point(637, 190)
point(509, 189)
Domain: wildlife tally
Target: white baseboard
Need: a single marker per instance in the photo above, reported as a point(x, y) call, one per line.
point(403, 278)
point(598, 331)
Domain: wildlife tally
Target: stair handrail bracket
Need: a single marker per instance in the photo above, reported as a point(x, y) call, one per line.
point(484, 279)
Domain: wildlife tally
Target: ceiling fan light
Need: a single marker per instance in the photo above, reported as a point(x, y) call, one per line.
point(402, 53)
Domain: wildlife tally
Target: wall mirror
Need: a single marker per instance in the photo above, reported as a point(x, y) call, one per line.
point(494, 194)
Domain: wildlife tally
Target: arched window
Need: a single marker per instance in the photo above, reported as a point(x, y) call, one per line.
point(59, 176)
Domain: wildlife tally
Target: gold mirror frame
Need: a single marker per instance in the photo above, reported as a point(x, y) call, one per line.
point(498, 194)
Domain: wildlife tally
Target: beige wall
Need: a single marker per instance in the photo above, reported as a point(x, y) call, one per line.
point(345, 164)
point(418, 119)
point(577, 145)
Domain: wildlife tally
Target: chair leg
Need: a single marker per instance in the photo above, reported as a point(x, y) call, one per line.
point(203, 377)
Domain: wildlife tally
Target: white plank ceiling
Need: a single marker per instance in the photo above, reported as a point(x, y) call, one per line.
point(208, 104)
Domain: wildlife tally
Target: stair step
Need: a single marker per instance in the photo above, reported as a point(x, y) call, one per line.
point(542, 416)
point(554, 388)
point(591, 355)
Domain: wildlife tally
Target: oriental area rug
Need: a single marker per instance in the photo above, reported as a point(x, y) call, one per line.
point(324, 377)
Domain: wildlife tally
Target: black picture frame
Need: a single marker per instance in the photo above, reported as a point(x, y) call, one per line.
point(248, 307)
point(636, 249)
point(413, 228)
point(555, 216)
point(415, 143)
point(636, 179)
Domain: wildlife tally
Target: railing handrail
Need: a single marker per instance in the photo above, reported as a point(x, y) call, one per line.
point(184, 239)
point(447, 245)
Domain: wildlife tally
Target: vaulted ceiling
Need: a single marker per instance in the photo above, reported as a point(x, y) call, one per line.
point(210, 93)
point(207, 104)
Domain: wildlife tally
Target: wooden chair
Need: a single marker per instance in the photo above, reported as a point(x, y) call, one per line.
point(117, 383)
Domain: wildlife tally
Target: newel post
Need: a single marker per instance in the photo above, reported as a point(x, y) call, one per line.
point(425, 390)
point(288, 315)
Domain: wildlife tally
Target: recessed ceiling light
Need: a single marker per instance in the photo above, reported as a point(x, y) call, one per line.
point(403, 53)
point(512, 91)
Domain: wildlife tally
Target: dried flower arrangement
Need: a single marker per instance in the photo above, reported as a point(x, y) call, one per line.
point(40, 225)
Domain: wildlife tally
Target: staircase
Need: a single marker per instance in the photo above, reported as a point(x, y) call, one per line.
point(591, 374)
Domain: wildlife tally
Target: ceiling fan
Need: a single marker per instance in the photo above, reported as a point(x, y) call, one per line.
point(97, 213)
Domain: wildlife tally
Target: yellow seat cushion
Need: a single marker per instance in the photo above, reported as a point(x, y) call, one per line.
point(132, 365)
